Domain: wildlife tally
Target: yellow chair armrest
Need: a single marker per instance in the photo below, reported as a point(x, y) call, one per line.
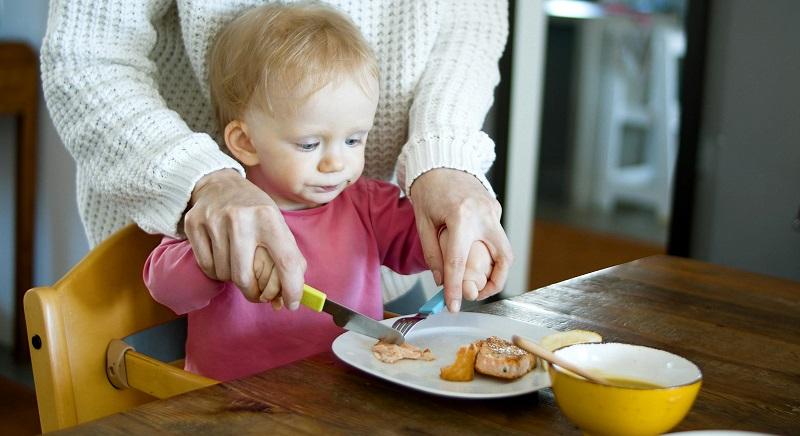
point(126, 368)
point(160, 379)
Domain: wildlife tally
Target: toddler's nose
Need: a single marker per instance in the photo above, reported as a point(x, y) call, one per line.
point(331, 162)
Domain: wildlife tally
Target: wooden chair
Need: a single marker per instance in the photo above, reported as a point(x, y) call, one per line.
point(82, 371)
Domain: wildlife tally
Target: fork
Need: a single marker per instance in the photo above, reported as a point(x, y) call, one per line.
point(433, 306)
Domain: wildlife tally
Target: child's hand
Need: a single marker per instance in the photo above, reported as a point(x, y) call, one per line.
point(269, 285)
point(477, 272)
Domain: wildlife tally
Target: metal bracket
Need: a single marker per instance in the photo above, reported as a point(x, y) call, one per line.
point(115, 363)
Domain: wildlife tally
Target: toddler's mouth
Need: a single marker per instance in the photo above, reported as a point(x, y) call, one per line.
point(327, 188)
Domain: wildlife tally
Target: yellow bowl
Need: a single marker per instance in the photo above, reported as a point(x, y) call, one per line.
point(615, 410)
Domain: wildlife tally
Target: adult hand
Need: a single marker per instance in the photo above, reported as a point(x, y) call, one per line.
point(458, 201)
point(228, 219)
point(478, 269)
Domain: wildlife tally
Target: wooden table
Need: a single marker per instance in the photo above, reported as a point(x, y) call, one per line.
point(742, 329)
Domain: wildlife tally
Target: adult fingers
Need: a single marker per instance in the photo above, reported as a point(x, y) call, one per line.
point(243, 252)
point(220, 242)
point(201, 248)
point(431, 248)
point(289, 262)
point(455, 256)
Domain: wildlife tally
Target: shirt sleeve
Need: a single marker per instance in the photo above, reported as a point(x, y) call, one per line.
point(175, 280)
point(455, 92)
point(395, 229)
point(101, 88)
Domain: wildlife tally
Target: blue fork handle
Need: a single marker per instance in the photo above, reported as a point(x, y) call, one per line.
point(434, 305)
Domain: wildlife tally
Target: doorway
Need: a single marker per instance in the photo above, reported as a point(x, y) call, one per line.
point(609, 135)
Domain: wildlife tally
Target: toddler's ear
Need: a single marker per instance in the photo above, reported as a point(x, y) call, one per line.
point(238, 142)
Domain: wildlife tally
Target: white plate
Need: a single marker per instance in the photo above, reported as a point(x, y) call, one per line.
point(444, 333)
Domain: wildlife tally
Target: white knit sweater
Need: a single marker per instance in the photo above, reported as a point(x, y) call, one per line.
point(125, 82)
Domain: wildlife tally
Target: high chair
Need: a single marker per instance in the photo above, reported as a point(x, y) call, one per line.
point(81, 368)
point(627, 122)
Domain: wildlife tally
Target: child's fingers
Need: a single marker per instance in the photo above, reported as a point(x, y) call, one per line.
point(262, 267)
point(490, 289)
point(277, 303)
point(469, 289)
point(272, 288)
point(474, 282)
point(477, 271)
point(479, 260)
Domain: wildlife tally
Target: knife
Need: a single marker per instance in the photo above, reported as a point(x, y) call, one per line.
point(347, 318)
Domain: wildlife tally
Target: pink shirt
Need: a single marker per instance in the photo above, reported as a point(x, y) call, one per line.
point(344, 242)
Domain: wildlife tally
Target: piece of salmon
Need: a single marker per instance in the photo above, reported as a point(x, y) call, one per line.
point(500, 358)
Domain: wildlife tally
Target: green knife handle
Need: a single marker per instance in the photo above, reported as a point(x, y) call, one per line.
point(313, 298)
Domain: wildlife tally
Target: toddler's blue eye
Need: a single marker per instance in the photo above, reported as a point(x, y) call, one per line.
point(353, 142)
point(308, 147)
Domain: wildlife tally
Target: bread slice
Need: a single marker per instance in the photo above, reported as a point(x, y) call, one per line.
point(500, 358)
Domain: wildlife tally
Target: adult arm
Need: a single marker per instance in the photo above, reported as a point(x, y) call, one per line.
point(399, 245)
point(136, 154)
point(131, 150)
point(450, 103)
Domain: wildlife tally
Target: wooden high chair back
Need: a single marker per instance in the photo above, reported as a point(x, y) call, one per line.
point(74, 324)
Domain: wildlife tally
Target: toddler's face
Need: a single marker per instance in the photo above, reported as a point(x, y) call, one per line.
point(307, 158)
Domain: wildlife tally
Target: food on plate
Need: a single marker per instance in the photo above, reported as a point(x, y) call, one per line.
point(500, 358)
point(463, 369)
point(558, 340)
point(391, 353)
point(491, 356)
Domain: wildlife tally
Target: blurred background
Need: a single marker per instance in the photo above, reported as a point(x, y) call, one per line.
point(609, 134)
point(624, 129)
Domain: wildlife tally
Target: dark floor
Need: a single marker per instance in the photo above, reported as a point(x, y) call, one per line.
point(18, 414)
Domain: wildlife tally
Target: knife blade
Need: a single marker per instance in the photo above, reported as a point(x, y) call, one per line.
point(348, 318)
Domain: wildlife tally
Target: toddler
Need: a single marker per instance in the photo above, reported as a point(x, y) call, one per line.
point(295, 89)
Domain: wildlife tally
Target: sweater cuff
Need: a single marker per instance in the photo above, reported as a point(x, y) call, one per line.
point(471, 152)
point(178, 172)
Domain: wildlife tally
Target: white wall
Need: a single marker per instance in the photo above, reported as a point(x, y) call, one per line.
point(60, 240)
point(749, 161)
point(523, 139)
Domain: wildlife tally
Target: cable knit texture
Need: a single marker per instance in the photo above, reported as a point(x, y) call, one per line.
point(125, 82)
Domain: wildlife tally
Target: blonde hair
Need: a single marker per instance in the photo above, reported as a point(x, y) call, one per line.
point(276, 56)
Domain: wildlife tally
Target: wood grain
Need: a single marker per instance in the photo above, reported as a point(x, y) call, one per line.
point(741, 329)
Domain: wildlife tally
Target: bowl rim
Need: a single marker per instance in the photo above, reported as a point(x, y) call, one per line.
point(563, 371)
